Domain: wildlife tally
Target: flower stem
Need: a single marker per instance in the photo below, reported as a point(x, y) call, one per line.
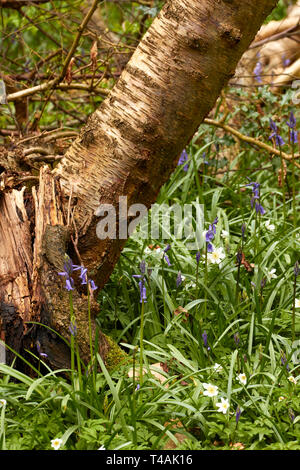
point(72, 321)
point(90, 334)
point(283, 189)
point(142, 342)
point(293, 186)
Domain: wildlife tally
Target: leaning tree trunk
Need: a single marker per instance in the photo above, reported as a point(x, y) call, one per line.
point(128, 147)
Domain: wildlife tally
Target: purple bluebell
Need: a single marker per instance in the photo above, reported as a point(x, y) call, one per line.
point(210, 235)
point(142, 287)
point(166, 257)
point(292, 120)
point(167, 260)
point(38, 347)
point(178, 279)
point(209, 248)
point(69, 284)
point(291, 415)
point(204, 160)
point(183, 159)
point(93, 285)
point(69, 267)
point(283, 360)
point(204, 337)
point(198, 256)
point(263, 283)
point(285, 62)
point(275, 135)
point(73, 329)
point(83, 275)
point(293, 134)
point(143, 292)
point(236, 338)
point(257, 72)
point(259, 208)
point(256, 197)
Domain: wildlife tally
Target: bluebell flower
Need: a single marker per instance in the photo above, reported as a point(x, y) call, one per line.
point(210, 235)
point(204, 337)
point(293, 134)
point(167, 260)
point(198, 256)
point(259, 208)
point(209, 248)
point(69, 284)
point(38, 347)
point(142, 287)
point(291, 415)
point(178, 279)
point(183, 159)
point(292, 120)
point(283, 360)
point(275, 135)
point(143, 292)
point(83, 275)
point(238, 414)
point(236, 338)
point(256, 197)
point(168, 247)
point(69, 267)
point(285, 61)
point(257, 72)
point(92, 285)
point(73, 329)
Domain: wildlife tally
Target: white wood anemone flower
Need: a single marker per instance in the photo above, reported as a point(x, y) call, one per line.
point(216, 256)
point(297, 303)
point(269, 226)
point(242, 378)
point(210, 390)
point(223, 405)
point(56, 443)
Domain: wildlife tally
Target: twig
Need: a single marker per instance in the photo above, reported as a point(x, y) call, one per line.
point(252, 141)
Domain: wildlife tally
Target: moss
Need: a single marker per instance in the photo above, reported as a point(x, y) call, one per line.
point(115, 356)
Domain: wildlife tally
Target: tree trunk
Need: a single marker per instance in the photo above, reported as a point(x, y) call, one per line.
point(167, 88)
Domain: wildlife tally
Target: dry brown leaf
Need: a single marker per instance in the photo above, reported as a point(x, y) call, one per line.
point(237, 446)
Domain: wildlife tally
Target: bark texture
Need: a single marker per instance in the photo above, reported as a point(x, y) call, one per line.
point(131, 144)
point(129, 147)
